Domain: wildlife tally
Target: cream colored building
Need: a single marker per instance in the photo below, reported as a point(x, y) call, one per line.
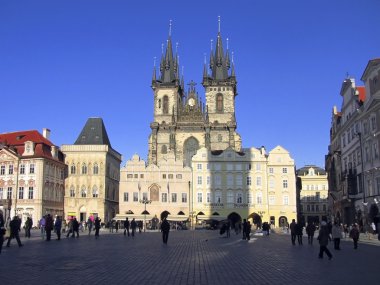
point(92, 184)
point(160, 190)
point(31, 175)
point(313, 194)
point(248, 184)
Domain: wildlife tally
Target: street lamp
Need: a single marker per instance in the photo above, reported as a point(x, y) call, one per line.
point(145, 201)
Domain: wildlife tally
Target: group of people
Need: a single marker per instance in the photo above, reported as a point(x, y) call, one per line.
point(226, 228)
point(327, 233)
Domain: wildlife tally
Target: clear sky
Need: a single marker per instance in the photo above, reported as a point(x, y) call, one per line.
point(62, 62)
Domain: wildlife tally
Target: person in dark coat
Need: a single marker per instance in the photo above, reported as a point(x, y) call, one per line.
point(310, 230)
point(354, 234)
point(89, 225)
point(97, 227)
point(49, 225)
point(75, 228)
point(15, 225)
point(293, 234)
point(133, 227)
point(165, 228)
point(58, 227)
point(2, 230)
point(323, 239)
point(248, 231)
point(126, 226)
point(28, 226)
point(299, 233)
point(245, 224)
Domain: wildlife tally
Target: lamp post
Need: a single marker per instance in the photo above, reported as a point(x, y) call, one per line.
point(145, 201)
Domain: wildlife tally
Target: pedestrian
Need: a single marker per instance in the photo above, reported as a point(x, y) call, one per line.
point(140, 225)
point(49, 225)
point(310, 230)
point(117, 226)
point(299, 233)
point(336, 235)
point(2, 230)
point(89, 225)
point(126, 226)
point(354, 234)
point(165, 228)
point(111, 225)
point(293, 234)
point(28, 226)
point(345, 229)
point(42, 227)
point(69, 228)
point(97, 227)
point(133, 227)
point(75, 228)
point(323, 239)
point(58, 227)
point(244, 229)
point(248, 231)
point(15, 225)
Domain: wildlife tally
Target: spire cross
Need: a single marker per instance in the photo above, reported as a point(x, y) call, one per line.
point(170, 28)
point(192, 85)
point(219, 24)
point(227, 43)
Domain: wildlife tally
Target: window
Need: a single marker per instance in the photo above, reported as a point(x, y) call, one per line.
point(317, 208)
point(218, 197)
point(136, 175)
point(129, 176)
point(258, 166)
point(239, 198)
point(9, 193)
point(375, 150)
point(165, 105)
point(136, 196)
point(164, 149)
point(230, 197)
point(10, 170)
point(30, 193)
point(271, 183)
point(220, 138)
point(230, 167)
point(324, 207)
point(84, 168)
point(258, 181)
point(219, 103)
point(217, 167)
point(199, 197)
point(239, 180)
point(22, 169)
point(72, 191)
point(174, 197)
point(31, 169)
point(272, 200)
point(285, 183)
point(21, 192)
point(2, 170)
point(208, 197)
point(145, 196)
point(199, 166)
point(308, 208)
point(163, 176)
point(95, 192)
point(218, 180)
point(179, 176)
point(249, 198)
point(72, 169)
point(83, 192)
point(249, 166)
point(259, 198)
point(1, 193)
point(199, 180)
point(271, 170)
point(286, 200)
point(284, 170)
point(164, 197)
point(126, 196)
point(96, 169)
point(230, 180)
point(249, 180)
point(184, 197)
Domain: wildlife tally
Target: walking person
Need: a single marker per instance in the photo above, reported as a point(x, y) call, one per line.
point(117, 226)
point(28, 226)
point(49, 225)
point(336, 235)
point(2, 230)
point(58, 227)
point(133, 227)
point(244, 229)
point(248, 231)
point(293, 234)
point(354, 234)
point(69, 228)
point(15, 225)
point(126, 226)
point(165, 228)
point(97, 227)
point(323, 239)
point(89, 225)
point(42, 227)
point(299, 232)
point(75, 228)
point(310, 230)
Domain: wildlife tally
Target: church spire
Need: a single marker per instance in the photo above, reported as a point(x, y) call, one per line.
point(168, 62)
point(220, 61)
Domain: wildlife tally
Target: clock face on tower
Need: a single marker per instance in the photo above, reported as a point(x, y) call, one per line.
point(191, 102)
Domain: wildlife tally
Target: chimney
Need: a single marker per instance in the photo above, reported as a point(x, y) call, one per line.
point(46, 133)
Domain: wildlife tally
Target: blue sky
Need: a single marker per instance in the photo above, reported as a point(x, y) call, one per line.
point(62, 62)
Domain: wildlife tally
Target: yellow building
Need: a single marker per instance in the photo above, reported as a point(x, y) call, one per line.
point(92, 184)
point(313, 194)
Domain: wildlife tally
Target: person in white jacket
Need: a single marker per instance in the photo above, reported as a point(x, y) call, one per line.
point(337, 235)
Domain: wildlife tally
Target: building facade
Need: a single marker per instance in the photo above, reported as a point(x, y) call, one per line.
point(32, 172)
point(313, 206)
point(353, 160)
point(92, 183)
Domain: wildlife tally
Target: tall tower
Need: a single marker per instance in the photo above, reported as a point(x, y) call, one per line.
point(220, 90)
point(168, 93)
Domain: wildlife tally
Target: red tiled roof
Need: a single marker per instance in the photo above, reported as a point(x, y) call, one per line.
point(361, 90)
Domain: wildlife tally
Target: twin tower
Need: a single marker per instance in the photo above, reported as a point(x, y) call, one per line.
point(182, 123)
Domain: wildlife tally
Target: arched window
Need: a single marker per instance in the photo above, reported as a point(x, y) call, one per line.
point(95, 192)
point(165, 106)
point(72, 191)
point(96, 169)
point(84, 168)
point(164, 149)
point(83, 192)
point(72, 169)
point(219, 103)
